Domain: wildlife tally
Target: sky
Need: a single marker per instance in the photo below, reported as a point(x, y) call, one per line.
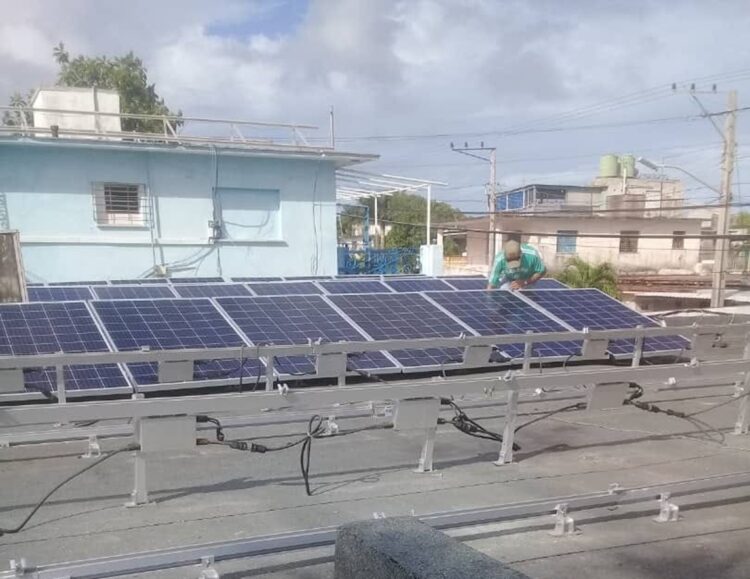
point(552, 85)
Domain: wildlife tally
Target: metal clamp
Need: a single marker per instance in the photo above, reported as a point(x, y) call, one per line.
point(668, 511)
point(208, 570)
point(564, 524)
point(94, 449)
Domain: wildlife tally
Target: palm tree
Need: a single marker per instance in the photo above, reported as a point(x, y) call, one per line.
point(582, 274)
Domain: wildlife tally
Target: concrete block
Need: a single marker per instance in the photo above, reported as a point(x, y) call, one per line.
point(403, 547)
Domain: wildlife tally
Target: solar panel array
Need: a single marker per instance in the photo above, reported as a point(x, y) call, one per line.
point(170, 325)
point(140, 281)
point(49, 328)
point(404, 316)
point(146, 313)
point(502, 313)
point(590, 308)
point(297, 319)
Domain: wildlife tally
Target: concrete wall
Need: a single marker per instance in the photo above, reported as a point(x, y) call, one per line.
point(47, 189)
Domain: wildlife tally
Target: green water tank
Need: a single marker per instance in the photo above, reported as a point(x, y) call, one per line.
point(609, 166)
point(627, 166)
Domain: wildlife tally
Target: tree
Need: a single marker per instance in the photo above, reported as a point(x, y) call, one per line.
point(125, 74)
point(19, 101)
point(399, 211)
point(582, 274)
point(741, 220)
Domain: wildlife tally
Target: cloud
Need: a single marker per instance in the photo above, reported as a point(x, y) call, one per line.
point(404, 67)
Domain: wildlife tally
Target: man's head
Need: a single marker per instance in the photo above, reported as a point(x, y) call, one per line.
point(512, 251)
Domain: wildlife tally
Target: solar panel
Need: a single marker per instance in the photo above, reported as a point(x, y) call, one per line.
point(357, 276)
point(418, 285)
point(132, 292)
point(463, 276)
point(502, 313)
point(283, 320)
point(49, 328)
point(244, 279)
point(590, 308)
point(548, 283)
point(467, 283)
point(59, 294)
point(306, 277)
point(172, 324)
point(354, 287)
point(197, 280)
point(284, 288)
point(139, 281)
point(56, 283)
point(404, 316)
point(211, 290)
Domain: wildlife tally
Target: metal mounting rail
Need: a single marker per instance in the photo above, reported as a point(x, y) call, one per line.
point(206, 554)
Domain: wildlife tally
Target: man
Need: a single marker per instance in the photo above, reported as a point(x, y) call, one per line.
point(517, 266)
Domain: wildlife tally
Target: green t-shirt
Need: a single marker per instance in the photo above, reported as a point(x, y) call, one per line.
point(531, 263)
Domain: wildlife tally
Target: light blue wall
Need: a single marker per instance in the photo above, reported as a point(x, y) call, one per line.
point(48, 191)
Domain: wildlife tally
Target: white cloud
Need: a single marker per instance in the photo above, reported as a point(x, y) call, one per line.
point(415, 66)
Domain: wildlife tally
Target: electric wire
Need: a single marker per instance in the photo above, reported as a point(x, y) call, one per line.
point(18, 528)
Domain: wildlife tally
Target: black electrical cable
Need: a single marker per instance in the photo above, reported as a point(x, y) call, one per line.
point(469, 426)
point(577, 406)
point(202, 418)
point(57, 487)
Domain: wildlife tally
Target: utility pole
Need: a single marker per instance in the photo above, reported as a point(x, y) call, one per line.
point(491, 192)
point(719, 277)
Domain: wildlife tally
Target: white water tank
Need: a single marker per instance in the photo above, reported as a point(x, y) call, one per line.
point(48, 102)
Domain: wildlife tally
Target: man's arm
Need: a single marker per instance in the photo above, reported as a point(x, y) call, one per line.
point(539, 270)
point(497, 272)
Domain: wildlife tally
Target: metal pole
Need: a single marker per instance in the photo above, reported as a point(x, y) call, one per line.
point(492, 207)
point(332, 129)
point(377, 223)
point(718, 282)
point(429, 212)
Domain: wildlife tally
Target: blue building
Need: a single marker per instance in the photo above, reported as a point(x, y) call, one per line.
point(124, 206)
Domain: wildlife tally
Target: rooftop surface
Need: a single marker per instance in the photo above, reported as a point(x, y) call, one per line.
point(216, 493)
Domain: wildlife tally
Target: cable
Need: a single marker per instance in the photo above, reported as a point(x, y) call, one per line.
point(202, 418)
point(57, 487)
point(577, 406)
point(469, 426)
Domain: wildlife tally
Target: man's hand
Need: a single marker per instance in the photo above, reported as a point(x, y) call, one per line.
point(489, 287)
point(517, 284)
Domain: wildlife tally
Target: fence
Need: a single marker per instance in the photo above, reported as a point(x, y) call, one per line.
point(378, 261)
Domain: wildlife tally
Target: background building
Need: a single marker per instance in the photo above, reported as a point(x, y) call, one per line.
point(94, 202)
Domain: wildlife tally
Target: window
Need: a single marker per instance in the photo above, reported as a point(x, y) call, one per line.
point(250, 214)
point(678, 240)
point(566, 241)
point(629, 241)
point(119, 204)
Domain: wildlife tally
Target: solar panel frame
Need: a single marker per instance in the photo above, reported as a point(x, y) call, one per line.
point(59, 293)
point(139, 281)
point(549, 283)
point(354, 287)
point(298, 320)
point(467, 283)
point(308, 278)
point(53, 327)
point(207, 279)
point(211, 290)
point(505, 313)
point(70, 283)
point(132, 292)
point(285, 288)
point(418, 285)
point(254, 279)
point(175, 323)
point(599, 315)
point(397, 316)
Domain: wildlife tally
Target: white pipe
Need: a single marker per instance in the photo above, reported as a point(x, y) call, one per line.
point(429, 213)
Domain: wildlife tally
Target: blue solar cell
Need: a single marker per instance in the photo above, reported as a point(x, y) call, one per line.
point(132, 292)
point(590, 308)
point(139, 281)
point(197, 280)
point(48, 328)
point(467, 283)
point(502, 313)
point(357, 276)
point(59, 294)
point(462, 276)
point(297, 319)
point(244, 279)
point(403, 316)
point(548, 283)
point(171, 324)
point(284, 288)
point(211, 290)
point(354, 287)
point(418, 285)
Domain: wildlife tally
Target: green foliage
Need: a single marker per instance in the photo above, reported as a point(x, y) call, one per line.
point(125, 74)
point(582, 274)
point(399, 211)
point(741, 220)
point(13, 118)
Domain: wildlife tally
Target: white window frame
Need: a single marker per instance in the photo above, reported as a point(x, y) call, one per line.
point(111, 217)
